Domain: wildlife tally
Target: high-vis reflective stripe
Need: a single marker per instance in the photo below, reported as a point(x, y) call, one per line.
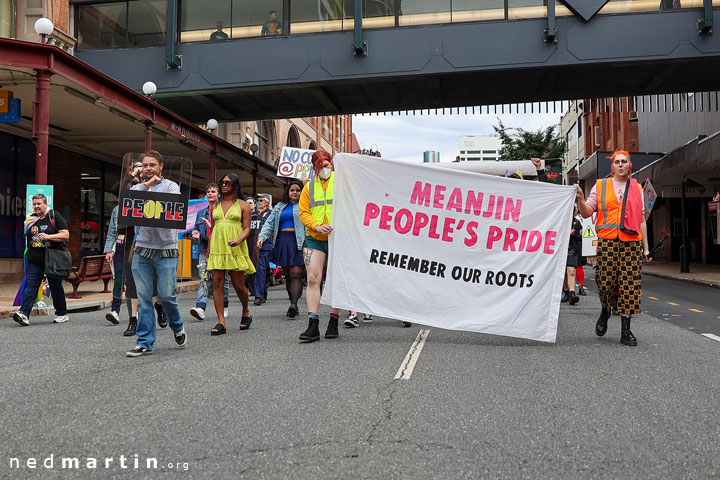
point(603, 208)
point(321, 201)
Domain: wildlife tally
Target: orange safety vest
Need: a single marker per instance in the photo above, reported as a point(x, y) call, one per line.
point(616, 221)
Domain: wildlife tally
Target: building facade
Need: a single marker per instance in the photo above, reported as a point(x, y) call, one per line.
point(431, 156)
point(480, 147)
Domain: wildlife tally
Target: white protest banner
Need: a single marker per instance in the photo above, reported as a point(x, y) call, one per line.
point(446, 248)
point(295, 163)
point(589, 236)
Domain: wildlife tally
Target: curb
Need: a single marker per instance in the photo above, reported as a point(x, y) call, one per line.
point(6, 312)
point(694, 281)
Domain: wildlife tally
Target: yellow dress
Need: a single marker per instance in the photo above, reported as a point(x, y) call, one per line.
point(228, 226)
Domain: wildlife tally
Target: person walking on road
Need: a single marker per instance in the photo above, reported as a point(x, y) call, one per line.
point(200, 232)
point(44, 229)
point(287, 235)
point(622, 242)
point(228, 253)
point(573, 260)
point(316, 209)
point(155, 258)
point(115, 253)
point(264, 209)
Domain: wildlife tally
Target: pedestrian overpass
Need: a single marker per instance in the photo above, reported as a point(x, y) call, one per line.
point(401, 54)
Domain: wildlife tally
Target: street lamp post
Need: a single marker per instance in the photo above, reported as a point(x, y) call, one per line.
point(41, 109)
point(149, 89)
point(212, 125)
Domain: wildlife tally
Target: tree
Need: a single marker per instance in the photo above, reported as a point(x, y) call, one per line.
point(524, 144)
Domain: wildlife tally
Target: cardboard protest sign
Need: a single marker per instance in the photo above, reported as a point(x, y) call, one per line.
point(296, 163)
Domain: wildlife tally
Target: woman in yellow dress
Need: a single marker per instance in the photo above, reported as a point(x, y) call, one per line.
point(228, 251)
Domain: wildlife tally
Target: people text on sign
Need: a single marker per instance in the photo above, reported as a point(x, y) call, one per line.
point(142, 208)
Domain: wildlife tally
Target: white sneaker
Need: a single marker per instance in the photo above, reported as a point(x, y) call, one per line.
point(61, 319)
point(21, 318)
point(112, 317)
point(198, 313)
point(367, 318)
point(226, 313)
point(352, 321)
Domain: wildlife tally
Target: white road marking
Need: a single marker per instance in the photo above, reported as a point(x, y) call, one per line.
point(711, 336)
point(407, 366)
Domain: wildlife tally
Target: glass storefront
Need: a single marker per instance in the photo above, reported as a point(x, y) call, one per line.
point(17, 170)
point(99, 186)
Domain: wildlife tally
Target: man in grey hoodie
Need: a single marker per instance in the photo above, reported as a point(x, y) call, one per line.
point(155, 257)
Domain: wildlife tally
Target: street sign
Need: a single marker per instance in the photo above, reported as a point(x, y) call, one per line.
point(589, 237)
point(12, 114)
point(5, 96)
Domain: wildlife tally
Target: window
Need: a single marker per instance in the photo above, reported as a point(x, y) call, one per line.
point(202, 21)
point(7, 19)
point(138, 23)
point(424, 12)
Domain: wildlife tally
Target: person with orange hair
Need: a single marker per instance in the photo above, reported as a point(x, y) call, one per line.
point(622, 242)
point(316, 206)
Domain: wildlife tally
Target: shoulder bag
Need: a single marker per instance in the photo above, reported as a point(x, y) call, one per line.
point(58, 262)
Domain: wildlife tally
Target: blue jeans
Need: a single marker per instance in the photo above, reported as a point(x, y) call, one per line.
point(118, 282)
point(261, 270)
point(34, 275)
point(145, 271)
point(202, 296)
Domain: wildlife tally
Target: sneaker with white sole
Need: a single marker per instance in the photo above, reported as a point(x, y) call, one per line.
point(198, 313)
point(61, 319)
point(367, 318)
point(181, 338)
point(226, 313)
point(138, 351)
point(112, 317)
point(21, 318)
point(352, 321)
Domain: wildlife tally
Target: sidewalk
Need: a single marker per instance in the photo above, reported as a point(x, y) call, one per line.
point(705, 275)
point(90, 293)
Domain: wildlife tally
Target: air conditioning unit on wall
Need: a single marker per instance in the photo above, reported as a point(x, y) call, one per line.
point(633, 116)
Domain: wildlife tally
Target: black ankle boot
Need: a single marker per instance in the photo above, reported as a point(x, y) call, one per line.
point(601, 325)
point(312, 333)
point(332, 330)
point(565, 296)
point(573, 298)
point(132, 325)
point(626, 336)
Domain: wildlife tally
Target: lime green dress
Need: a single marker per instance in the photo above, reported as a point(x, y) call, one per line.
point(228, 227)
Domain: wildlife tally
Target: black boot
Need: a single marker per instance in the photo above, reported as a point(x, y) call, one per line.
point(332, 330)
point(312, 333)
point(626, 336)
point(572, 298)
point(132, 325)
point(601, 325)
point(565, 296)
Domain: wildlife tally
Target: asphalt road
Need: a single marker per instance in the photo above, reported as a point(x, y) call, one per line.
point(258, 404)
point(692, 307)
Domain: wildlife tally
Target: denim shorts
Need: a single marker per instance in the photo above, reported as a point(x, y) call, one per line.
point(320, 245)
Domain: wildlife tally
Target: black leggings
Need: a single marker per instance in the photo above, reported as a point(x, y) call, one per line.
point(294, 282)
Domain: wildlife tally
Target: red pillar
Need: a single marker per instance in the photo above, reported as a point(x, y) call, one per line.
point(148, 135)
point(41, 125)
point(213, 158)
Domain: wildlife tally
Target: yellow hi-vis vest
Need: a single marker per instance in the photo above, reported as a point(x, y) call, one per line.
point(321, 200)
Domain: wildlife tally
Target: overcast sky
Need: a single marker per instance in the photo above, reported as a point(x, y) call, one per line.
point(402, 137)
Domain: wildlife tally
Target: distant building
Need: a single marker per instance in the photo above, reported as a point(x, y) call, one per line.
point(431, 156)
point(480, 147)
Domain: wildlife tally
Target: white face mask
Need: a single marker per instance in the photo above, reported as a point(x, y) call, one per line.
point(325, 173)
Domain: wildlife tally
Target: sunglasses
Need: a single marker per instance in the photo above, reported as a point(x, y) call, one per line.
point(226, 182)
point(137, 165)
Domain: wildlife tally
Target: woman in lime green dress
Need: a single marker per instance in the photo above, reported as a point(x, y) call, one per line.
point(228, 251)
